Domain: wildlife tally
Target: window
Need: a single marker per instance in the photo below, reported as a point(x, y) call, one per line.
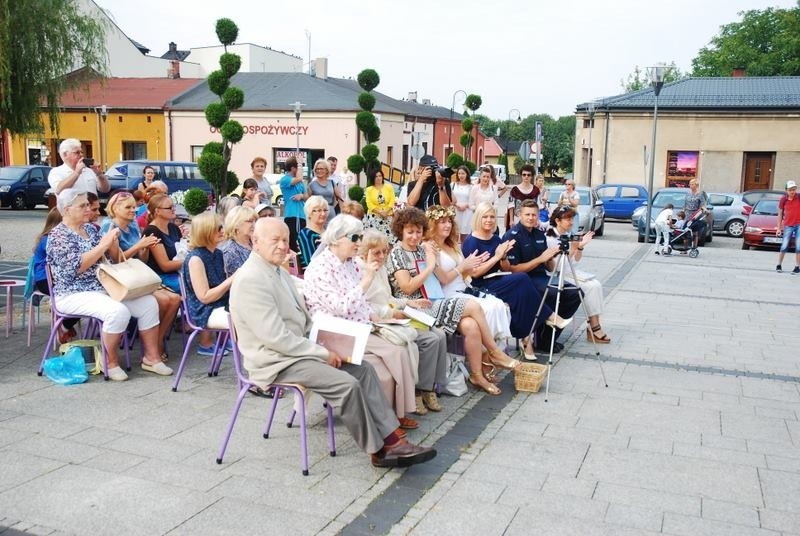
point(606, 191)
point(196, 151)
point(681, 167)
point(36, 175)
point(587, 123)
point(389, 155)
point(405, 155)
point(192, 172)
point(134, 150)
point(627, 191)
point(173, 172)
point(719, 200)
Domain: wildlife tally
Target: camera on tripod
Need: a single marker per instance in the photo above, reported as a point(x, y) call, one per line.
point(565, 239)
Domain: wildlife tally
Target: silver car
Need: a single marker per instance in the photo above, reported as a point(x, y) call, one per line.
point(728, 213)
point(591, 214)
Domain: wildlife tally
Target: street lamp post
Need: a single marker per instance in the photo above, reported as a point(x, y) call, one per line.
point(450, 130)
point(297, 106)
point(657, 81)
point(590, 109)
point(508, 135)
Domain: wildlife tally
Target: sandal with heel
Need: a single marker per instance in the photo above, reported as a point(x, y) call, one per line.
point(477, 379)
point(489, 372)
point(500, 359)
point(591, 337)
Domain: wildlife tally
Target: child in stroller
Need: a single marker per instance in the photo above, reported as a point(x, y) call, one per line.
point(682, 239)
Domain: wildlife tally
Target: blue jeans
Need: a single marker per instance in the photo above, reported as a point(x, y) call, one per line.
point(788, 232)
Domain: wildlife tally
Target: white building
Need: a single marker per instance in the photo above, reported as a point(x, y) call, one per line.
point(255, 59)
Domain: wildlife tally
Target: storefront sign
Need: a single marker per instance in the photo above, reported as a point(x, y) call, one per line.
point(270, 130)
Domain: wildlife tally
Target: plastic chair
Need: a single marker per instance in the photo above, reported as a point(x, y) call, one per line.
point(244, 386)
point(219, 346)
point(33, 320)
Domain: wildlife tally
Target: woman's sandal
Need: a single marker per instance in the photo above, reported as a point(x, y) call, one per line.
point(489, 372)
point(477, 379)
point(605, 339)
point(500, 359)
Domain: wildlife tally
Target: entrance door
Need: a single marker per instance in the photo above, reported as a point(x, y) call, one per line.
point(758, 170)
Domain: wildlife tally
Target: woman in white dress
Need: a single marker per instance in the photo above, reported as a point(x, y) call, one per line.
point(484, 192)
point(461, 190)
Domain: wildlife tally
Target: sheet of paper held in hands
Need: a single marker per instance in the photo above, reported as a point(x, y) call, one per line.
point(431, 288)
point(495, 274)
point(392, 321)
point(345, 337)
point(419, 316)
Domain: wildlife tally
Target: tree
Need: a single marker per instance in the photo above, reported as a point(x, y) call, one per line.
point(367, 124)
point(215, 156)
point(641, 80)
point(764, 43)
point(40, 43)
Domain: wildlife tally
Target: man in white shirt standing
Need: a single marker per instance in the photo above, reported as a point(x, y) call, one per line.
point(74, 173)
point(341, 183)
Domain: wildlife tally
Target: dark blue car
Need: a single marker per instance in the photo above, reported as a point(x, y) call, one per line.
point(23, 187)
point(178, 176)
point(620, 200)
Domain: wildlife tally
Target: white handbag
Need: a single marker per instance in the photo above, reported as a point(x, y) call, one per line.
point(128, 279)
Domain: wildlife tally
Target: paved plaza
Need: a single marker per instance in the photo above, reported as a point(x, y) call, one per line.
point(697, 432)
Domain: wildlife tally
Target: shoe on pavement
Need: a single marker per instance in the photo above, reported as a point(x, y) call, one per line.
point(116, 374)
point(778, 269)
point(796, 270)
point(402, 454)
point(208, 351)
point(158, 368)
point(431, 401)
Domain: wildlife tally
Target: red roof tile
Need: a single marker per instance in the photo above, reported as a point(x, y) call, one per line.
point(491, 147)
point(127, 93)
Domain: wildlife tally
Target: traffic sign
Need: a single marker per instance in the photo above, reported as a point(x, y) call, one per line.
point(525, 150)
point(417, 152)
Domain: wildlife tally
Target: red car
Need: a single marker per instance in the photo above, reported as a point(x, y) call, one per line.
point(762, 224)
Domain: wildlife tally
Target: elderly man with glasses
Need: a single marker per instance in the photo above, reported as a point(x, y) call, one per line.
point(74, 173)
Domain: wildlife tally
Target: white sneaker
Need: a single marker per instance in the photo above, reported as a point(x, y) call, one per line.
point(159, 368)
point(116, 374)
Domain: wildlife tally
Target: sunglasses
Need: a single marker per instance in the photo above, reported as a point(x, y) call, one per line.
point(355, 237)
point(527, 174)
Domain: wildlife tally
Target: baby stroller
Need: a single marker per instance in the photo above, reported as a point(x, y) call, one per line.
point(682, 239)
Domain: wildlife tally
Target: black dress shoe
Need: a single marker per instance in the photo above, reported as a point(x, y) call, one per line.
point(402, 454)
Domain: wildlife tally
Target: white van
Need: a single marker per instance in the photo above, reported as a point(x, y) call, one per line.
point(499, 172)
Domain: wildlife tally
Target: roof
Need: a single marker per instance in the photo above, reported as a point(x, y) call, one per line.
point(492, 148)
point(179, 55)
point(729, 93)
point(127, 93)
point(275, 91)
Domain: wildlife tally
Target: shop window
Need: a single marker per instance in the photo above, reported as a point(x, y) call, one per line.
point(196, 151)
point(681, 167)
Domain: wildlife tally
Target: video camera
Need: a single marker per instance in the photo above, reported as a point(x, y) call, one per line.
point(565, 239)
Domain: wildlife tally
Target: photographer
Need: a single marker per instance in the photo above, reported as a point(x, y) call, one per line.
point(78, 173)
point(559, 235)
point(431, 188)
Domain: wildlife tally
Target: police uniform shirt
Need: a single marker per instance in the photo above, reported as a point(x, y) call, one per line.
point(528, 245)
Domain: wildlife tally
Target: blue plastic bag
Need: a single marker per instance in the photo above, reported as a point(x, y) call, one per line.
point(67, 369)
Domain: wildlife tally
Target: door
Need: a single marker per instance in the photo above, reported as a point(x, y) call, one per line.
point(629, 199)
point(608, 195)
point(758, 170)
point(37, 185)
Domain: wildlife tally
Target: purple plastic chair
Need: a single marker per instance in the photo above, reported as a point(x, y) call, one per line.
point(92, 330)
point(245, 384)
point(219, 346)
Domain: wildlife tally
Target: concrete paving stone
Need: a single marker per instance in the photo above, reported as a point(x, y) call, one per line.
point(472, 490)
point(656, 431)
point(545, 455)
point(76, 499)
point(95, 436)
point(674, 474)
point(528, 522)
point(565, 485)
point(785, 450)
point(786, 522)
point(519, 429)
point(509, 475)
point(232, 516)
point(720, 442)
point(166, 450)
point(24, 386)
point(752, 427)
point(589, 436)
point(785, 414)
point(113, 461)
point(794, 431)
point(635, 517)
point(781, 490)
point(738, 514)
point(19, 467)
point(670, 417)
point(608, 424)
point(8, 437)
point(447, 518)
point(779, 463)
point(660, 445)
point(60, 450)
point(39, 530)
point(55, 428)
point(541, 415)
point(566, 505)
point(648, 499)
point(682, 394)
point(771, 390)
point(661, 377)
point(681, 525)
point(750, 459)
point(176, 474)
point(669, 400)
point(6, 414)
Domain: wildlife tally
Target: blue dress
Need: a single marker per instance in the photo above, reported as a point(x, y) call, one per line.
point(215, 273)
point(517, 289)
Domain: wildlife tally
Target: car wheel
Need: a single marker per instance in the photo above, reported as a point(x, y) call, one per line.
point(279, 201)
point(735, 228)
point(19, 203)
point(745, 245)
point(601, 229)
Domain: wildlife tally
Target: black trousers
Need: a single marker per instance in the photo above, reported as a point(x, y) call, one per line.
point(295, 224)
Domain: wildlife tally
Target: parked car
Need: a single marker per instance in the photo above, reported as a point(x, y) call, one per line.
point(620, 200)
point(676, 196)
point(728, 213)
point(23, 187)
point(751, 197)
point(591, 212)
point(178, 176)
point(762, 225)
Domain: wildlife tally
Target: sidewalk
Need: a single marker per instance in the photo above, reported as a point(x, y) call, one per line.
point(697, 432)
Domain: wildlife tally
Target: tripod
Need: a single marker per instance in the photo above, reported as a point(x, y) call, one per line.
point(563, 259)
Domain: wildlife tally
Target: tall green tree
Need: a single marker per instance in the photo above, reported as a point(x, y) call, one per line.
point(41, 41)
point(764, 43)
point(640, 79)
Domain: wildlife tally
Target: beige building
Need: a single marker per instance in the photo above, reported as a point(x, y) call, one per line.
point(733, 134)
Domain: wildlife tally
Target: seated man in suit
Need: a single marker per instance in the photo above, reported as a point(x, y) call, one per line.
point(272, 323)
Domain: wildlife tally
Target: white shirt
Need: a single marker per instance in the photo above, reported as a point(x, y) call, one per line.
point(86, 182)
point(664, 216)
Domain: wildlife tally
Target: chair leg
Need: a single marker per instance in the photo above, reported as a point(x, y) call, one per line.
point(50, 342)
point(331, 434)
point(276, 396)
point(303, 437)
point(234, 415)
point(183, 360)
point(223, 344)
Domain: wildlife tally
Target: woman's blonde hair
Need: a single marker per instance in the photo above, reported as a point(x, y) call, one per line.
point(323, 163)
point(372, 239)
point(354, 208)
point(237, 216)
point(315, 201)
point(480, 211)
point(117, 198)
point(205, 227)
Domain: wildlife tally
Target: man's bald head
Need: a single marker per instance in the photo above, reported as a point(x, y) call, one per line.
point(271, 240)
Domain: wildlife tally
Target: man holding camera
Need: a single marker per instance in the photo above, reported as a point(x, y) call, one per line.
point(431, 187)
point(531, 255)
point(77, 172)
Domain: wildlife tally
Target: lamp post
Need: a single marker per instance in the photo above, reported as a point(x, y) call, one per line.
point(297, 106)
point(450, 130)
point(518, 120)
point(590, 109)
point(657, 81)
point(104, 117)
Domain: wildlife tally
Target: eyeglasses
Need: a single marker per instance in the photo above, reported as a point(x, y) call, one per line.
point(355, 237)
point(320, 210)
point(171, 207)
point(527, 174)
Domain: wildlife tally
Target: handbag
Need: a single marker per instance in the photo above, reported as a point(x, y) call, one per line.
point(90, 351)
point(128, 279)
point(456, 376)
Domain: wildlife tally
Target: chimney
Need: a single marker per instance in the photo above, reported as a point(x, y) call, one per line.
point(426, 101)
point(739, 72)
point(174, 69)
point(173, 51)
point(412, 96)
point(321, 68)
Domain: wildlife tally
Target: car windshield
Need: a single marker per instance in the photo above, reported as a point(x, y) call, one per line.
point(662, 199)
point(751, 198)
point(768, 207)
point(556, 191)
point(11, 173)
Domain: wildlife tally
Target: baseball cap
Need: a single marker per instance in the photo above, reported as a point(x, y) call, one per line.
point(261, 206)
point(790, 185)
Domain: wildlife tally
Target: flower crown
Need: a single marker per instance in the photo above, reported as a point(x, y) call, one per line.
point(438, 212)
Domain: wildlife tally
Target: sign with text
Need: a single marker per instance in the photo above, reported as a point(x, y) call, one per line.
point(270, 130)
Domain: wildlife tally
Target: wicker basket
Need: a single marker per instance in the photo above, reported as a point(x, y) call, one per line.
point(529, 377)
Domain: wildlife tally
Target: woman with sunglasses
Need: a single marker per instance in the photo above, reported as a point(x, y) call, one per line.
point(121, 210)
point(207, 285)
point(520, 192)
point(239, 225)
point(336, 285)
point(163, 258)
point(561, 223)
point(570, 198)
point(410, 264)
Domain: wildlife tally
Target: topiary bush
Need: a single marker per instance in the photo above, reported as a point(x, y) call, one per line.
point(367, 101)
point(368, 79)
point(195, 201)
point(356, 193)
point(355, 163)
point(367, 124)
point(454, 160)
point(472, 102)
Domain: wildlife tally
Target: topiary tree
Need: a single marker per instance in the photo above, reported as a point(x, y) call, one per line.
point(216, 156)
point(454, 160)
point(472, 103)
point(195, 201)
point(368, 160)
